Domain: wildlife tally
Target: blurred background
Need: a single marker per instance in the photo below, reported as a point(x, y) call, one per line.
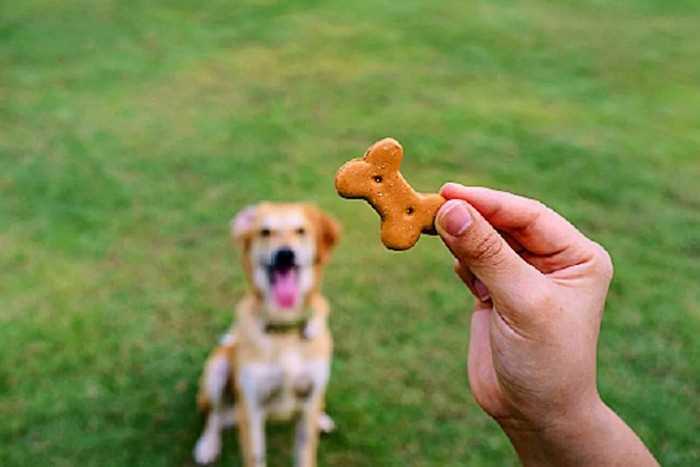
point(132, 131)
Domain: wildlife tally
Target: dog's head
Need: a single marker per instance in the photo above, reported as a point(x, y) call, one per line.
point(285, 247)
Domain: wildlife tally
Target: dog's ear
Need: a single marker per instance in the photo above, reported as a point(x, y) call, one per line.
point(327, 232)
point(242, 224)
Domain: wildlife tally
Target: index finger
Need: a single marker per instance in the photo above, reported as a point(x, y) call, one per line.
point(539, 229)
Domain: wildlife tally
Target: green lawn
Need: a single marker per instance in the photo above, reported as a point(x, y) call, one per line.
point(131, 132)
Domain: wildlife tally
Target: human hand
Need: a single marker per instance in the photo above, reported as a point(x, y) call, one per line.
point(540, 286)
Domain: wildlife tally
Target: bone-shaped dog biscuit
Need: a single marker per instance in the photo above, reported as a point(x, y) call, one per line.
point(404, 213)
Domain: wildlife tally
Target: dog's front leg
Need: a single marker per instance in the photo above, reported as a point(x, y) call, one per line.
point(307, 433)
point(251, 433)
point(251, 417)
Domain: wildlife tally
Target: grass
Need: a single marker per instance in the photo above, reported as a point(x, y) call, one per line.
point(131, 132)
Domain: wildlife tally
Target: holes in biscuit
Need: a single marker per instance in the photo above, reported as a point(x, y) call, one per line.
point(378, 178)
point(410, 210)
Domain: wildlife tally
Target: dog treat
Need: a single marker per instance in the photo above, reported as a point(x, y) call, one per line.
point(404, 213)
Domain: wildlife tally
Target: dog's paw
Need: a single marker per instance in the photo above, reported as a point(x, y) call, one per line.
point(208, 448)
point(326, 423)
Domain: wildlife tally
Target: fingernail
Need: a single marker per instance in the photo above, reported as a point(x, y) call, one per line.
point(454, 217)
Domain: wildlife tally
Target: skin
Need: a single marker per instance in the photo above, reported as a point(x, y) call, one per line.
point(540, 286)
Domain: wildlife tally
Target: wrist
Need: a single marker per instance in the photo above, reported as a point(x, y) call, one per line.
point(566, 438)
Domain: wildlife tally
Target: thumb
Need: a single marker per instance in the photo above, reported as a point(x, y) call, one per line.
point(481, 249)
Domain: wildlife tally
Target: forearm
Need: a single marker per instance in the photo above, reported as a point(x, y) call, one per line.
point(597, 438)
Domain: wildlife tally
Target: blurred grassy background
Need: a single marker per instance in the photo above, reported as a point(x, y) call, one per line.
point(131, 132)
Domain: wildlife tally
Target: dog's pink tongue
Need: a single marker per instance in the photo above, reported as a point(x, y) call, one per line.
point(285, 289)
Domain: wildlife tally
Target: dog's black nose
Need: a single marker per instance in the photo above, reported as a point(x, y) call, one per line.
point(283, 259)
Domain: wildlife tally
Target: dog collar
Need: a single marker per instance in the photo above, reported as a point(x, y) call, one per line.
point(281, 328)
point(272, 327)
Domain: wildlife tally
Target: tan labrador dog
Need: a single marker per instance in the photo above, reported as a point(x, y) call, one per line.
point(274, 363)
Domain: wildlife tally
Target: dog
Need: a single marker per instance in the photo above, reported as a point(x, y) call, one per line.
point(274, 363)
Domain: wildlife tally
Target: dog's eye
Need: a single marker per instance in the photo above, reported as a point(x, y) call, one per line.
point(265, 232)
point(301, 231)
point(378, 178)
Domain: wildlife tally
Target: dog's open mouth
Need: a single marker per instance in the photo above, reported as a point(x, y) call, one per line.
point(283, 275)
point(285, 287)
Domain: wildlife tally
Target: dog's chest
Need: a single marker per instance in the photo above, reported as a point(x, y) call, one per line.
point(284, 382)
